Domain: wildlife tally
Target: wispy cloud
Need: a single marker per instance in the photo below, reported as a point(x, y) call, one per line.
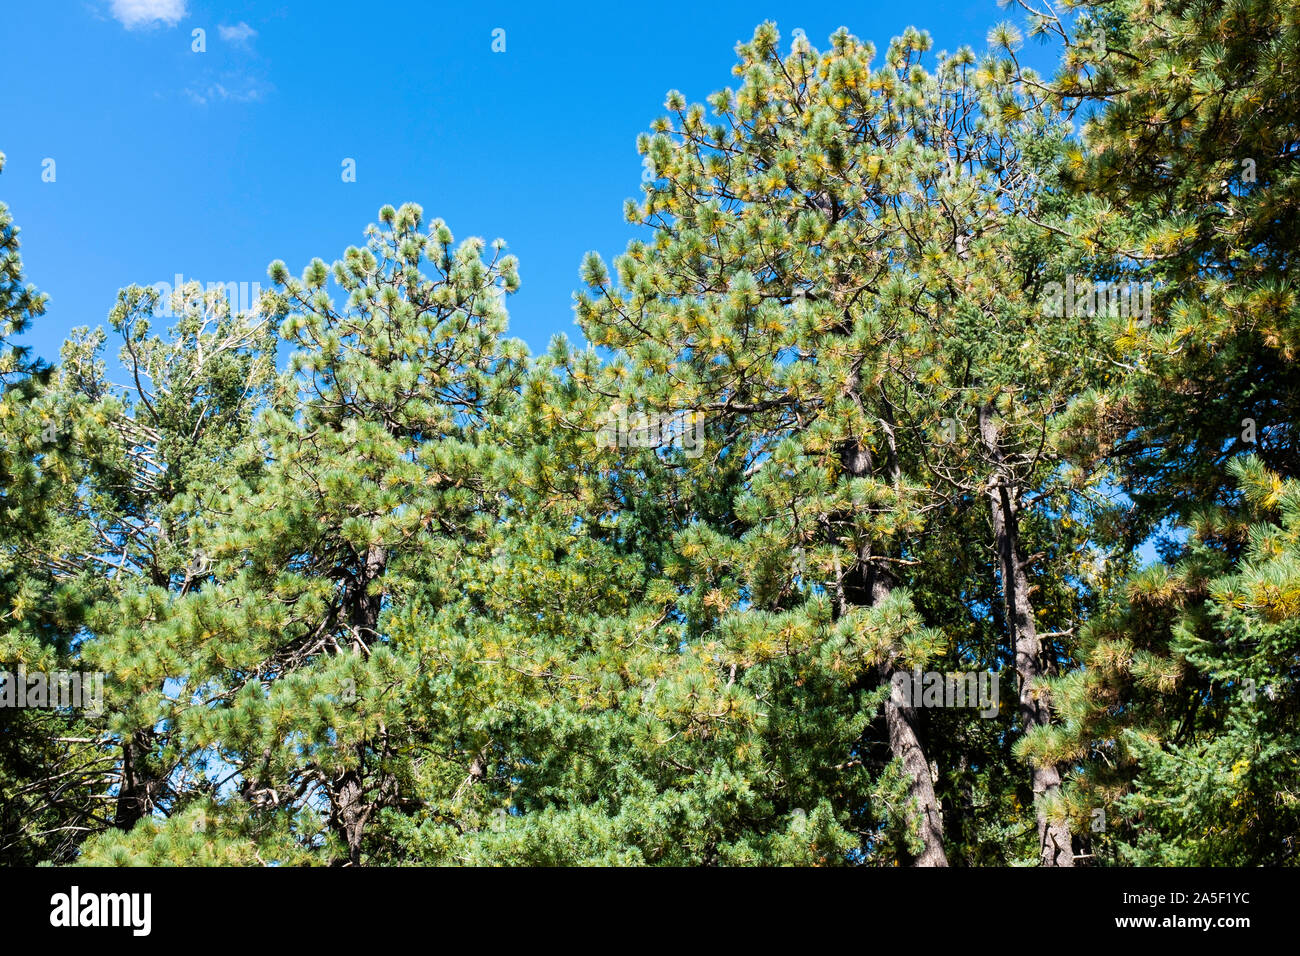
point(239, 34)
point(141, 13)
point(232, 89)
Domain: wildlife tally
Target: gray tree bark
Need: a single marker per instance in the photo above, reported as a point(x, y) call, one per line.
point(1033, 708)
point(351, 808)
point(872, 587)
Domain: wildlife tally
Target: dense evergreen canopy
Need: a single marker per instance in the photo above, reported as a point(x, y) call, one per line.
point(370, 584)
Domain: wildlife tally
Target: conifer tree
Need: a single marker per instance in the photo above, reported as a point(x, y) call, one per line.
point(419, 597)
point(372, 457)
point(824, 285)
point(28, 744)
point(125, 473)
point(1186, 172)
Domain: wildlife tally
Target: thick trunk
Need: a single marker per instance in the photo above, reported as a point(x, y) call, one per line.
point(870, 585)
point(364, 607)
point(1034, 710)
point(351, 806)
point(136, 786)
point(350, 812)
point(905, 744)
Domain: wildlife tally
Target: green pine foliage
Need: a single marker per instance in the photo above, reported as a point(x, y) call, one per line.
point(371, 585)
point(19, 304)
point(1187, 173)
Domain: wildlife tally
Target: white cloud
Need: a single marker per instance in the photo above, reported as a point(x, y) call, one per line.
point(241, 89)
point(138, 13)
point(239, 34)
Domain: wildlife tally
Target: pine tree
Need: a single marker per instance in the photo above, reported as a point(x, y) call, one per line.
point(29, 746)
point(125, 474)
point(419, 597)
point(372, 454)
point(1185, 169)
point(826, 285)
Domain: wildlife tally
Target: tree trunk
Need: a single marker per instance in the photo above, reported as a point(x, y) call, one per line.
point(905, 744)
point(869, 585)
point(136, 785)
point(139, 784)
point(351, 808)
point(1034, 710)
point(350, 811)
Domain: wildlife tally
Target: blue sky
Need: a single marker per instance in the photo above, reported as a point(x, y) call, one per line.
point(213, 164)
